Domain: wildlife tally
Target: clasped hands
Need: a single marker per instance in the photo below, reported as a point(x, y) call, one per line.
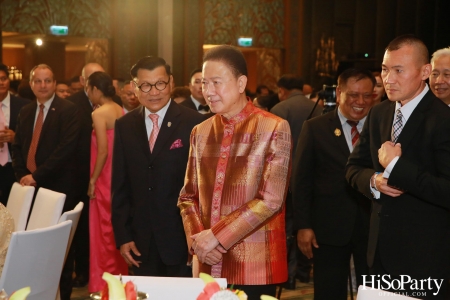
point(388, 151)
point(6, 136)
point(207, 247)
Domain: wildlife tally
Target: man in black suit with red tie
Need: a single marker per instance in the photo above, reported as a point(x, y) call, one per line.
point(332, 218)
point(151, 149)
point(402, 163)
point(45, 144)
point(10, 106)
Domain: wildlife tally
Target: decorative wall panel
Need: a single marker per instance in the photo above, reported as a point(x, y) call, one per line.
point(85, 18)
point(226, 21)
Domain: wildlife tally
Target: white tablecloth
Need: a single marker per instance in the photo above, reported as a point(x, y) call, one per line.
point(170, 288)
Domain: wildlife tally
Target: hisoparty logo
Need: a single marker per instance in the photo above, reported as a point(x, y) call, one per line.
point(404, 283)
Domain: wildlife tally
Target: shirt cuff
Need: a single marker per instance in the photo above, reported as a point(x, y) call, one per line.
point(375, 193)
point(390, 166)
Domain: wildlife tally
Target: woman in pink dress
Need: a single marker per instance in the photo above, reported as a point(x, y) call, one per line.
point(104, 257)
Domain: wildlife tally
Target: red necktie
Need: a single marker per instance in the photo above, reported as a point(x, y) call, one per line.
point(155, 131)
point(31, 159)
point(4, 149)
point(354, 132)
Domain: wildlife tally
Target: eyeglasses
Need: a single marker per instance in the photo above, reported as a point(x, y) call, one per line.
point(147, 87)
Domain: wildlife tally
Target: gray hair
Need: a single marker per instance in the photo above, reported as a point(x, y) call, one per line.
point(439, 53)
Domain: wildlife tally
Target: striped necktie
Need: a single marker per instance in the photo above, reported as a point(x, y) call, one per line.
point(354, 132)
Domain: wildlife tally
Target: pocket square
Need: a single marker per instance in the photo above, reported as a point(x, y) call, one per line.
point(176, 144)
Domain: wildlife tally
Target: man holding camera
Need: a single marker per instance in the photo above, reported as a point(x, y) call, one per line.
point(333, 219)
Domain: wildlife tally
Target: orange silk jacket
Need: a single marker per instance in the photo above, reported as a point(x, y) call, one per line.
point(236, 182)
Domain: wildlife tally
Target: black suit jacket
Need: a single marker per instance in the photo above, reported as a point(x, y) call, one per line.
point(414, 228)
point(323, 200)
point(83, 154)
point(16, 103)
point(189, 103)
point(56, 148)
point(146, 185)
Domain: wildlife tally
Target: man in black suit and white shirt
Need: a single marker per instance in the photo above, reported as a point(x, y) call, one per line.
point(332, 218)
point(402, 163)
point(196, 101)
point(151, 149)
point(45, 145)
point(10, 106)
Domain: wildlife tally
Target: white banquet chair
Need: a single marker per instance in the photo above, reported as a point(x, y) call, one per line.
point(367, 293)
point(19, 203)
point(74, 216)
point(47, 209)
point(35, 259)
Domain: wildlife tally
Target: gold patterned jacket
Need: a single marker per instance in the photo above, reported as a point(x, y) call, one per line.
point(236, 182)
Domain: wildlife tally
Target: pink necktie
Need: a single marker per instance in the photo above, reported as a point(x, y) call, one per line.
point(4, 149)
point(155, 131)
point(31, 159)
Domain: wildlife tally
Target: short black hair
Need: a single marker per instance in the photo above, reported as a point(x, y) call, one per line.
point(4, 68)
point(229, 55)
point(198, 70)
point(290, 82)
point(149, 63)
point(356, 73)
point(410, 40)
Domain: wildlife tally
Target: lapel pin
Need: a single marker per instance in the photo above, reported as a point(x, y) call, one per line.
point(53, 108)
point(169, 124)
point(337, 132)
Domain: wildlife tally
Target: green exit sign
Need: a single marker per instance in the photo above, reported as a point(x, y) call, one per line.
point(59, 30)
point(245, 41)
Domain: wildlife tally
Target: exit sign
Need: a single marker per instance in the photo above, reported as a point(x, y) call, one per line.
point(59, 30)
point(245, 41)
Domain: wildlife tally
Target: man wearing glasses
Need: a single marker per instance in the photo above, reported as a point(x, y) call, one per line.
point(151, 150)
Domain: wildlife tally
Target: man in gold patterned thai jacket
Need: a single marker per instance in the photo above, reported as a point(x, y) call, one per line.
point(236, 181)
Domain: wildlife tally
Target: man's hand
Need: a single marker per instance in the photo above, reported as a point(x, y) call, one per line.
point(213, 257)
point(383, 187)
point(204, 242)
point(6, 135)
point(306, 238)
point(28, 180)
point(125, 252)
point(388, 152)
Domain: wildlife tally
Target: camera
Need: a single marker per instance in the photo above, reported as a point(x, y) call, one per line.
point(328, 95)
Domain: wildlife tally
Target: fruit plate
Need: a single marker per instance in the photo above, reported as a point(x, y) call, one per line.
point(98, 296)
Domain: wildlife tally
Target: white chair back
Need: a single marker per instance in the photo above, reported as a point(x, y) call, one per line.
point(19, 203)
point(367, 293)
point(74, 216)
point(35, 259)
point(47, 209)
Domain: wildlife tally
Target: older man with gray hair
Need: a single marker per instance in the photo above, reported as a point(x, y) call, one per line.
point(440, 74)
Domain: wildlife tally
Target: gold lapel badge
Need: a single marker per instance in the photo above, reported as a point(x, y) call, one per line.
point(169, 124)
point(337, 132)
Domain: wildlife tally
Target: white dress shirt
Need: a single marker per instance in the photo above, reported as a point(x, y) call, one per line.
point(6, 108)
point(161, 114)
point(47, 105)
